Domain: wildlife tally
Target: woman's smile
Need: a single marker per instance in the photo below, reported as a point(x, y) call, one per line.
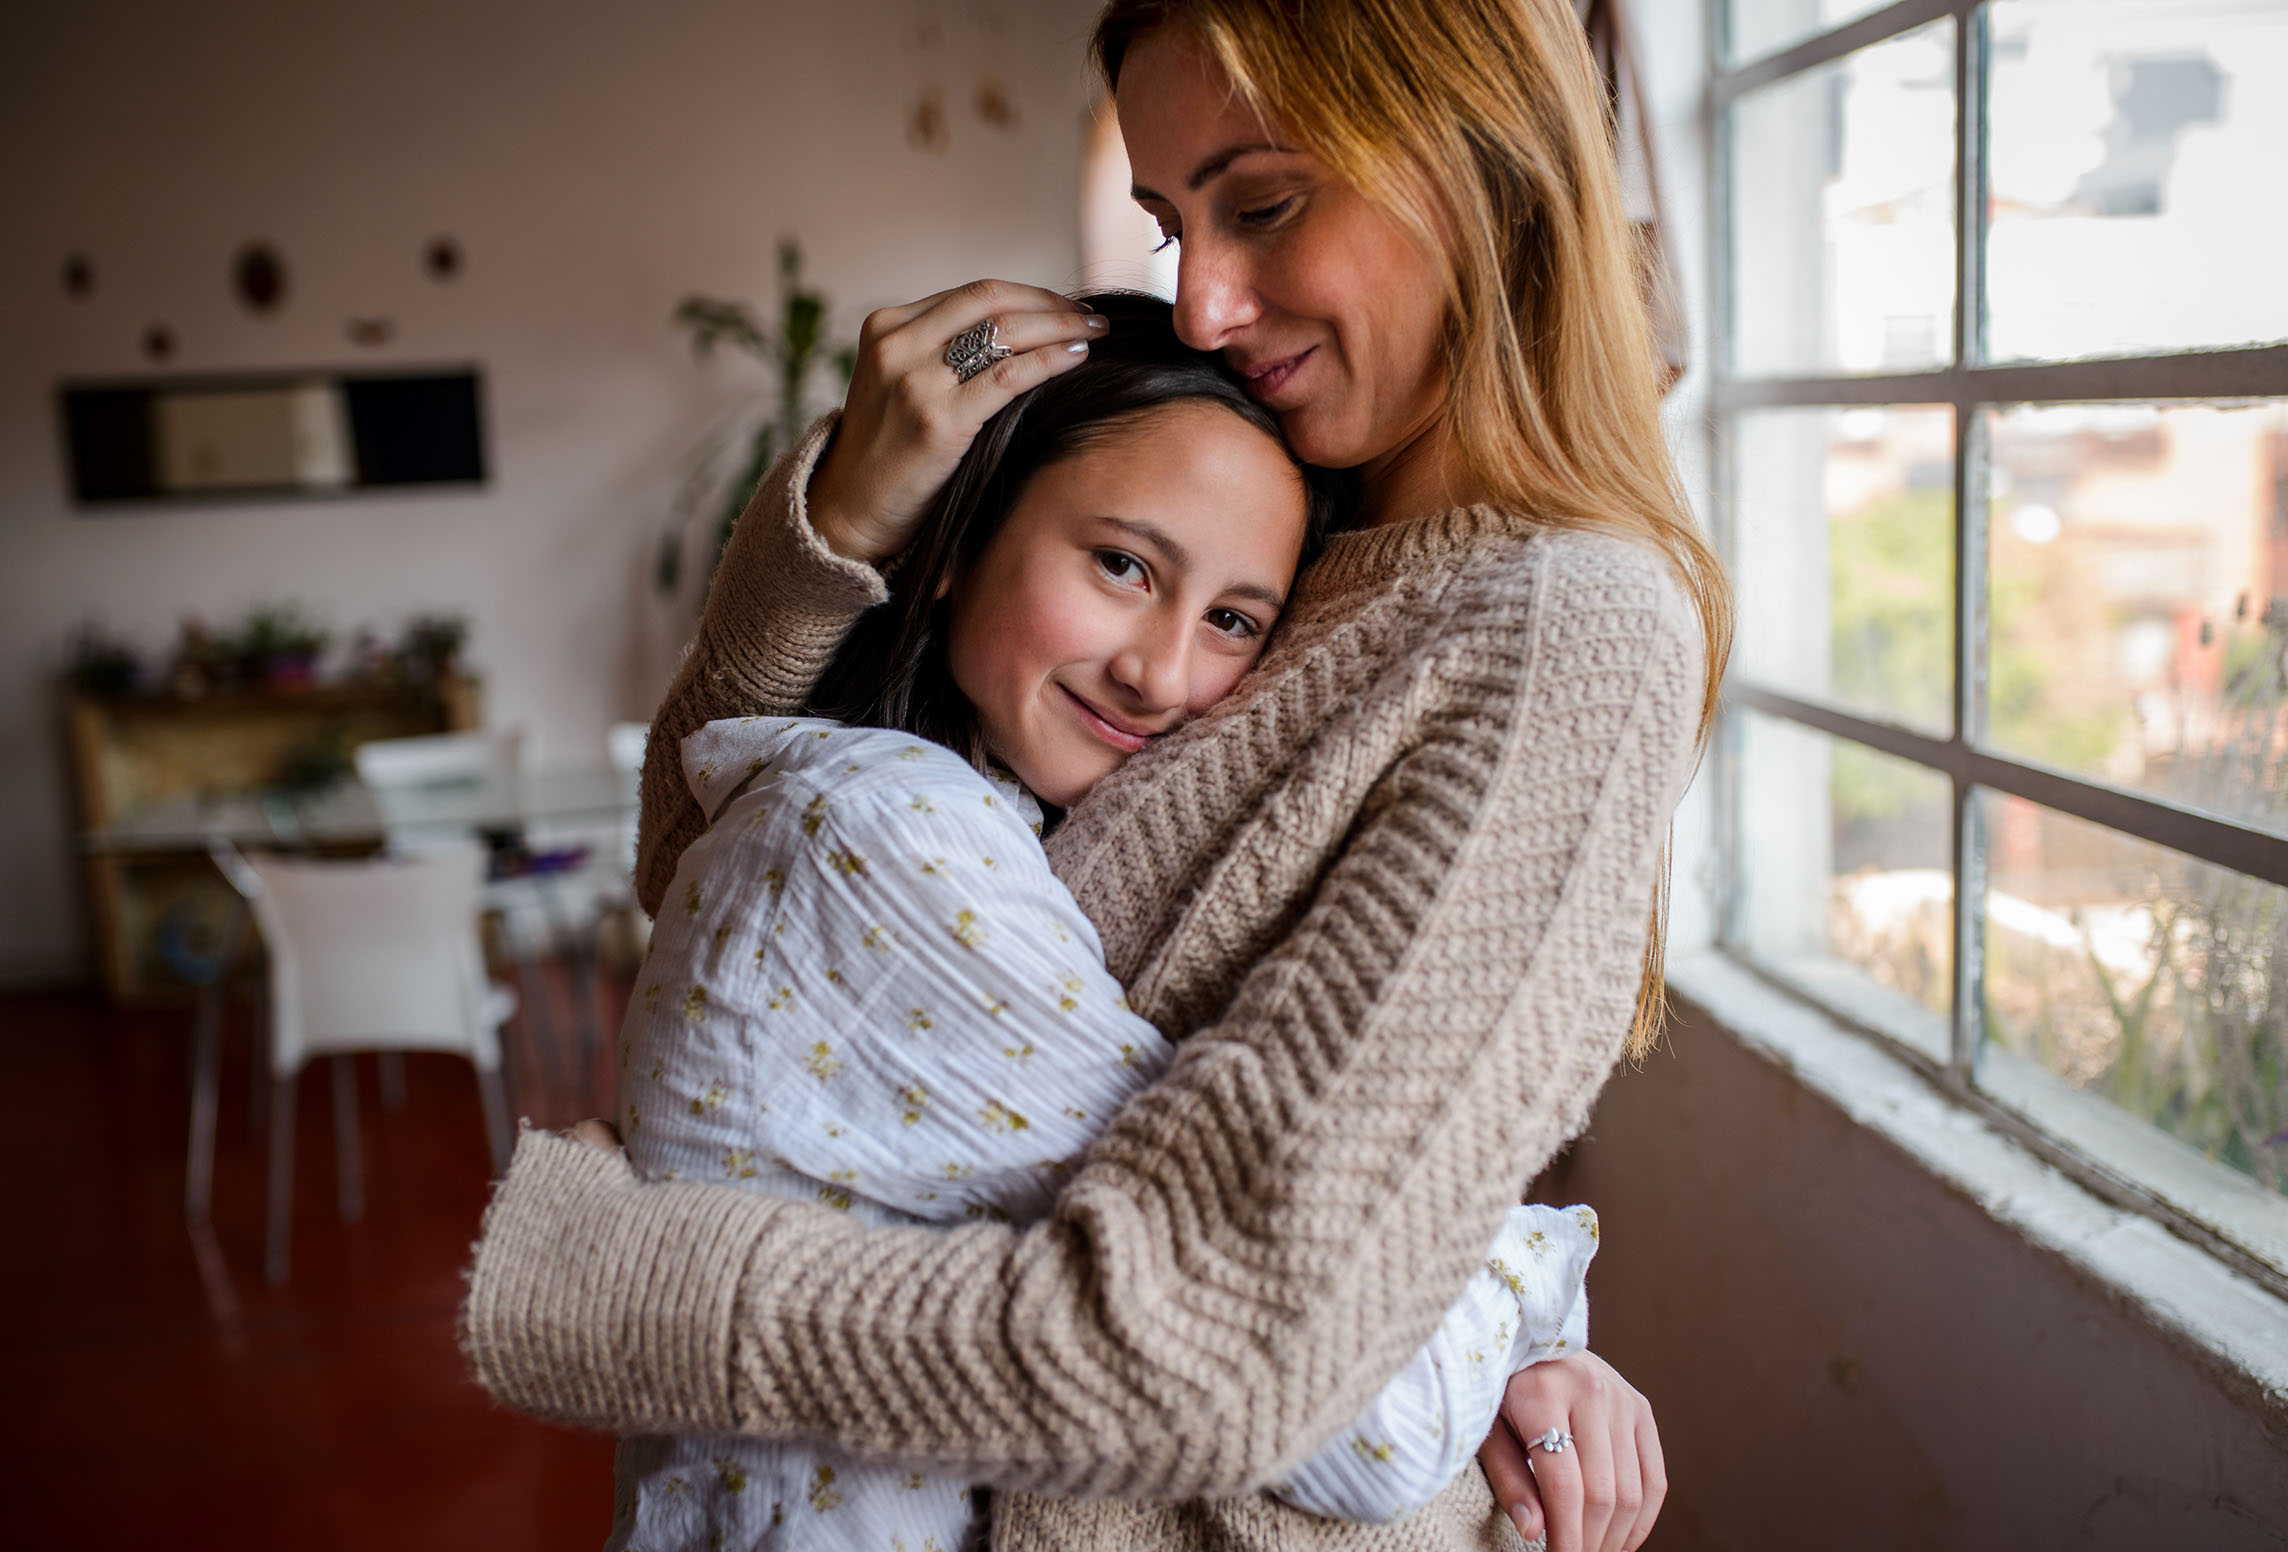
point(1273, 383)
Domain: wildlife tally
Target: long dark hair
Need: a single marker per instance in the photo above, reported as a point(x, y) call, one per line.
point(891, 670)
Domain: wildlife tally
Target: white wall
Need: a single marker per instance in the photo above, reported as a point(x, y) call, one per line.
point(595, 162)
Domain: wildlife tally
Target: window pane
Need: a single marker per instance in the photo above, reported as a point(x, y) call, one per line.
point(2142, 977)
point(1844, 530)
point(1760, 27)
point(1843, 213)
point(2138, 598)
point(2128, 141)
point(1846, 858)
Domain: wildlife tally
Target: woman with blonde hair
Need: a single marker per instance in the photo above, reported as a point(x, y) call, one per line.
point(1397, 899)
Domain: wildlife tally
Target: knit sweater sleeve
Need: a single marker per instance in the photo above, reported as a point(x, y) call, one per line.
point(778, 607)
point(1260, 1239)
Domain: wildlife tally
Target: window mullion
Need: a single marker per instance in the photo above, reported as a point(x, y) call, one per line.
point(1967, 1025)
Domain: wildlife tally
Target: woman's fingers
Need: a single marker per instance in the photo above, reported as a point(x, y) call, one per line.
point(1592, 1452)
point(1557, 1474)
point(1652, 1468)
point(1503, 1459)
point(908, 417)
point(1602, 1492)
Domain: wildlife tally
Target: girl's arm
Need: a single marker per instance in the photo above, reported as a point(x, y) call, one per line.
point(1526, 1303)
point(1262, 1237)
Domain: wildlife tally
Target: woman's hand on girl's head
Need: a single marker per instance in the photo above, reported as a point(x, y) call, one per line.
point(1604, 1490)
point(908, 418)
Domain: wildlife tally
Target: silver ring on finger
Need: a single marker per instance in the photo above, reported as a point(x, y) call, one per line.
point(1553, 1441)
point(976, 348)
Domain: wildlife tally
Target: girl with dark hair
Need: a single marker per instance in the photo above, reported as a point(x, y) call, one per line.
point(868, 990)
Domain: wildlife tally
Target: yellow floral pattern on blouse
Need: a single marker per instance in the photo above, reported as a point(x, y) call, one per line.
point(923, 1030)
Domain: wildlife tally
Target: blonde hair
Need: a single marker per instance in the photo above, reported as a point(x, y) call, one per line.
point(1484, 126)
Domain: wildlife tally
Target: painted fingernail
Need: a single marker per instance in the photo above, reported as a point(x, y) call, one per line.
point(1077, 348)
point(1096, 323)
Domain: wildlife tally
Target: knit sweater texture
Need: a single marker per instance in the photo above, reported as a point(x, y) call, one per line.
point(1391, 897)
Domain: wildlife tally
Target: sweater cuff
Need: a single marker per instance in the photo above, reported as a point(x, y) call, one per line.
point(783, 601)
point(599, 1300)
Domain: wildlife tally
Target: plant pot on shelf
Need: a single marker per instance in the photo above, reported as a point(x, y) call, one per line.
point(290, 672)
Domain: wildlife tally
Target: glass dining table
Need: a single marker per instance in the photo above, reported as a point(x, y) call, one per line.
point(567, 799)
point(560, 838)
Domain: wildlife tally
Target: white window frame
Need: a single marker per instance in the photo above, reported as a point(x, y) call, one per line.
point(2115, 1156)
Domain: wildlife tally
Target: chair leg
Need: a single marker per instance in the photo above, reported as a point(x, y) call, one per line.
point(349, 1172)
point(579, 951)
point(281, 1180)
point(258, 1067)
point(206, 1074)
point(532, 1003)
point(206, 1099)
point(495, 1101)
point(392, 1064)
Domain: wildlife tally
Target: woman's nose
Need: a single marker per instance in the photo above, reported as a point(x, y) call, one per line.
point(1214, 295)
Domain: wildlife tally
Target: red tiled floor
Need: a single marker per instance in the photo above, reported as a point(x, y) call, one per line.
point(151, 1407)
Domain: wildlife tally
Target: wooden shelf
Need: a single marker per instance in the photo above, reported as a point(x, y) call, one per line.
point(132, 751)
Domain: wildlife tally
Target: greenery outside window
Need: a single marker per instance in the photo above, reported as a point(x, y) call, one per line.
point(2001, 441)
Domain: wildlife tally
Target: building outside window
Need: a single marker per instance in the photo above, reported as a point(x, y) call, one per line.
point(2001, 432)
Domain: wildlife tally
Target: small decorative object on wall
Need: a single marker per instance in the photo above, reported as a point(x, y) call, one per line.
point(993, 104)
point(158, 342)
point(723, 471)
point(442, 258)
point(370, 332)
point(79, 276)
point(258, 275)
point(271, 434)
point(925, 122)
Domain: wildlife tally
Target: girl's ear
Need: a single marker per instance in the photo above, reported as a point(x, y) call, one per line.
point(944, 586)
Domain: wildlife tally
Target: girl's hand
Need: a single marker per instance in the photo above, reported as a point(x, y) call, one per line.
point(908, 419)
point(1603, 1491)
point(600, 1135)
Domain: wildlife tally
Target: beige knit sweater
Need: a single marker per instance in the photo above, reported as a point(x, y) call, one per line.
point(1392, 895)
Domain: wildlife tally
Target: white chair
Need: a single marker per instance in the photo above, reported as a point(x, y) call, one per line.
point(376, 955)
point(425, 787)
point(625, 741)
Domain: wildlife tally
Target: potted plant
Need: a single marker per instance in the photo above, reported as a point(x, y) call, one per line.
point(100, 664)
point(723, 471)
point(278, 649)
point(429, 651)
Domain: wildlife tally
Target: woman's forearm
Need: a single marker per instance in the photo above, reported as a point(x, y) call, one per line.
point(780, 604)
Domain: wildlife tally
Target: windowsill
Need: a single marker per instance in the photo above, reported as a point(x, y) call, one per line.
point(2230, 1324)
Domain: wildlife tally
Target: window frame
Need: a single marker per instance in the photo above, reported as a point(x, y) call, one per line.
point(2245, 1233)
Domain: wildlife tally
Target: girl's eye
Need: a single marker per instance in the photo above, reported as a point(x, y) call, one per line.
point(1167, 241)
point(1120, 565)
point(1231, 623)
point(1266, 215)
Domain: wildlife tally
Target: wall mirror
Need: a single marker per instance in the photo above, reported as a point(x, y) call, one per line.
point(281, 434)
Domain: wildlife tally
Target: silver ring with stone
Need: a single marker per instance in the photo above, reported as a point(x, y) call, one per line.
point(976, 348)
point(1553, 1441)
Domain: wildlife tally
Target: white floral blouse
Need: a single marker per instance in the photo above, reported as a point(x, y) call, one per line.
point(868, 989)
